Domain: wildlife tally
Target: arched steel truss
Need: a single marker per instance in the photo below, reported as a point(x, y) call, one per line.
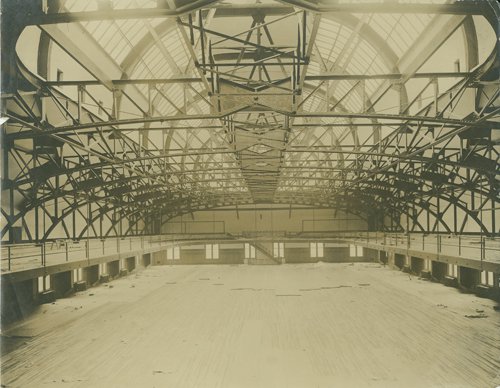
point(103, 174)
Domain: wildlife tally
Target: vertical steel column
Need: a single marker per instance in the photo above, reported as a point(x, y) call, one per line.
point(35, 193)
point(202, 40)
point(191, 32)
point(89, 211)
point(80, 101)
point(436, 96)
point(44, 258)
point(73, 218)
point(304, 32)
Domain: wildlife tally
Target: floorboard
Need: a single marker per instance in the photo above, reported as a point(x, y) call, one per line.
point(304, 325)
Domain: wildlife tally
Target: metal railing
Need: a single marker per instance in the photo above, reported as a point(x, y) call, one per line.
point(263, 233)
point(16, 257)
point(467, 246)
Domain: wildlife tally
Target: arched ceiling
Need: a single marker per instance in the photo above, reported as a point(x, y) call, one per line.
point(368, 106)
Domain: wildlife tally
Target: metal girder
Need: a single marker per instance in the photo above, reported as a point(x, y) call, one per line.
point(118, 14)
point(85, 51)
point(433, 37)
point(126, 81)
point(456, 8)
point(391, 76)
point(467, 7)
point(387, 119)
point(78, 43)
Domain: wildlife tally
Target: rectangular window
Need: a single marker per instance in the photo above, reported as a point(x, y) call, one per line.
point(173, 253)
point(279, 249)
point(316, 249)
point(212, 251)
point(321, 250)
point(43, 283)
point(452, 270)
point(355, 251)
point(78, 274)
point(249, 251)
point(312, 249)
point(487, 278)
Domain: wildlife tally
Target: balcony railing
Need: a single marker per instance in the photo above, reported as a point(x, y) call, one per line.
point(16, 257)
point(466, 246)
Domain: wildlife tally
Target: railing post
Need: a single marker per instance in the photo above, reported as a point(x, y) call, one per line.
point(438, 243)
point(103, 247)
point(8, 256)
point(66, 250)
point(459, 245)
point(423, 241)
point(483, 248)
point(408, 241)
point(87, 249)
point(130, 239)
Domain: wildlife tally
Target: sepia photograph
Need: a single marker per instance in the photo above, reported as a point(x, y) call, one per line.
point(250, 194)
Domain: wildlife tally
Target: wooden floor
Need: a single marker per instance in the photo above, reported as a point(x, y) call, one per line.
point(308, 325)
